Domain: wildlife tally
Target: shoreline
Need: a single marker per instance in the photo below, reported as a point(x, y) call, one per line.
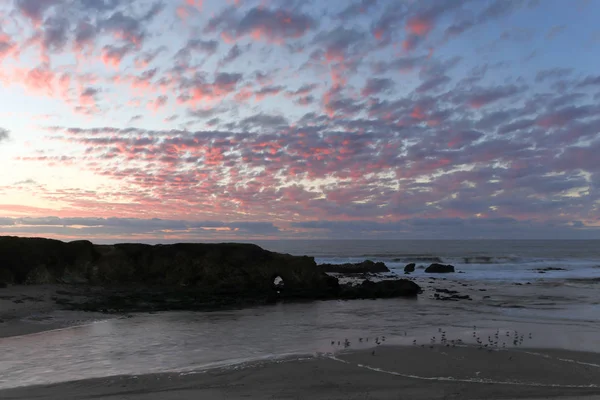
point(462, 372)
point(33, 309)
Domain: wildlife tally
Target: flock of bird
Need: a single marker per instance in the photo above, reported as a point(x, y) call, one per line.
point(495, 341)
point(346, 342)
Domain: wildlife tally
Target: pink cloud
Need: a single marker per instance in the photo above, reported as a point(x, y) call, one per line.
point(112, 56)
point(7, 46)
point(419, 25)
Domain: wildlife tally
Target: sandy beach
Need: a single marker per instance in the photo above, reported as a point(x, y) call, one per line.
point(391, 373)
point(28, 309)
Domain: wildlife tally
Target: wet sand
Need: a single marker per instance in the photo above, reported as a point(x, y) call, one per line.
point(392, 373)
point(27, 309)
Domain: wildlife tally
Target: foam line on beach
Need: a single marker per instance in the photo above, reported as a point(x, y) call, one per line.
point(563, 359)
point(463, 380)
point(234, 365)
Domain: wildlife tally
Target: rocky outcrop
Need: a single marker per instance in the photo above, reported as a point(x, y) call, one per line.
point(225, 265)
point(382, 289)
point(364, 267)
point(436, 268)
point(410, 267)
point(138, 277)
point(544, 270)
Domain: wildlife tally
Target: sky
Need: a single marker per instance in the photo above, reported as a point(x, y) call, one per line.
point(190, 120)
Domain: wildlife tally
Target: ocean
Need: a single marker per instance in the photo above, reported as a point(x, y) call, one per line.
point(509, 260)
point(559, 308)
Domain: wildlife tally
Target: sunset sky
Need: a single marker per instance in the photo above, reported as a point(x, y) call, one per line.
point(194, 120)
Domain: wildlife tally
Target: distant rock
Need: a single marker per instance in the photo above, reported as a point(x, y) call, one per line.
point(366, 266)
point(436, 268)
point(541, 270)
point(382, 289)
point(453, 297)
point(410, 267)
point(447, 291)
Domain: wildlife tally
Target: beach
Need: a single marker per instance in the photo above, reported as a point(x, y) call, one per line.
point(392, 373)
point(513, 332)
point(30, 309)
point(49, 353)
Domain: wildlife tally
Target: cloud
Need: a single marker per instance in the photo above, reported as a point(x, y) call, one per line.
point(208, 47)
point(261, 23)
point(35, 9)
point(340, 44)
point(4, 135)
point(565, 115)
point(357, 9)
point(233, 54)
point(551, 74)
point(456, 228)
point(378, 86)
point(590, 81)
point(289, 112)
point(482, 97)
point(494, 10)
point(433, 84)
point(149, 229)
point(199, 89)
point(113, 55)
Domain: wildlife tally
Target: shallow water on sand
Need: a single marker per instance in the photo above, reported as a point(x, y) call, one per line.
point(186, 341)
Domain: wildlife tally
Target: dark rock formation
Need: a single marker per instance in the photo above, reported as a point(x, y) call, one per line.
point(191, 276)
point(447, 291)
point(410, 267)
point(439, 268)
point(366, 266)
point(382, 289)
point(541, 270)
point(453, 297)
point(240, 267)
